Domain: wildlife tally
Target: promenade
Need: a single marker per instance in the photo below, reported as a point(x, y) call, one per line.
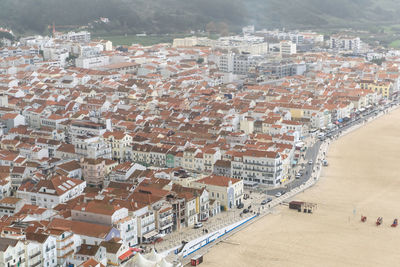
point(316, 152)
point(362, 179)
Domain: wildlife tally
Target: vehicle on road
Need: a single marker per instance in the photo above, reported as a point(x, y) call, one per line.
point(298, 176)
point(198, 225)
point(278, 194)
point(310, 162)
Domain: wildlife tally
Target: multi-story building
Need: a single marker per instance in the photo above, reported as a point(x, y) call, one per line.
point(280, 69)
point(237, 63)
point(92, 62)
point(81, 37)
point(94, 171)
point(107, 214)
point(66, 244)
point(91, 147)
point(48, 250)
point(222, 168)
point(49, 193)
point(12, 252)
point(164, 218)
point(263, 167)
point(228, 191)
point(287, 48)
point(120, 145)
point(146, 223)
point(344, 42)
point(86, 127)
point(10, 205)
point(33, 254)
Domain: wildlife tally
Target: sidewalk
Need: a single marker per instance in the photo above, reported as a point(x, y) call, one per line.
point(227, 218)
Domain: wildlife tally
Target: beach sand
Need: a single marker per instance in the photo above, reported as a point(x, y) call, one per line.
point(363, 178)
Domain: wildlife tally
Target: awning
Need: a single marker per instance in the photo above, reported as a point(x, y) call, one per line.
point(150, 234)
point(126, 255)
point(136, 249)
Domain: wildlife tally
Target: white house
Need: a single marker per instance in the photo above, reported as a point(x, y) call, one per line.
point(49, 193)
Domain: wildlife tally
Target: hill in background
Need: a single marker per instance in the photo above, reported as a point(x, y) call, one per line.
point(167, 16)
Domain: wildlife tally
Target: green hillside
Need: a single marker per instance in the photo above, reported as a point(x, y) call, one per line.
point(167, 16)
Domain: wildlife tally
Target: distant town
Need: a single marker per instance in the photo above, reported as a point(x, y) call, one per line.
point(121, 155)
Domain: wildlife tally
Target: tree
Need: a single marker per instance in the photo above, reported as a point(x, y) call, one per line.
point(223, 28)
point(211, 27)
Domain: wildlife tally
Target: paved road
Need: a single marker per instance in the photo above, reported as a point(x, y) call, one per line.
point(312, 152)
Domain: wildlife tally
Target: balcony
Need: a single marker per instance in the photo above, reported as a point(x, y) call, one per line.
point(65, 237)
point(163, 215)
point(165, 226)
point(64, 247)
point(37, 263)
point(21, 252)
point(34, 255)
point(147, 223)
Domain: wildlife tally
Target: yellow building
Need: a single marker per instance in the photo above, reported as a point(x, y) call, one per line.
point(297, 113)
point(384, 88)
point(119, 142)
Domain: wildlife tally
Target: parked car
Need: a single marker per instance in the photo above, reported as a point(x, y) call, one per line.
point(269, 199)
point(240, 206)
point(245, 211)
point(264, 202)
point(198, 225)
point(278, 194)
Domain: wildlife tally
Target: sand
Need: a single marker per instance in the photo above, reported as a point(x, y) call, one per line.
point(363, 178)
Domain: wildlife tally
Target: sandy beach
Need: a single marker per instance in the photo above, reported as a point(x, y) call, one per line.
point(363, 178)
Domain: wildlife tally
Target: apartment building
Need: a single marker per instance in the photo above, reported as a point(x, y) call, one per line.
point(93, 171)
point(66, 243)
point(12, 252)
point(47, 248)
point(344, 42)
point(120, 145)
point(107, 214)
point(82, 36)
point(287, 48)
point(49, 193)
point(263, 167)
point(91, 147)
point(86, 127)
point(228, 191)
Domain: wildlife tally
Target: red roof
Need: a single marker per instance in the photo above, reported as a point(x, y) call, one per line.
point(126, 255)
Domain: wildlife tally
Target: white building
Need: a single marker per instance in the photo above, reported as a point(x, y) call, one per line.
point(82, 36)
point(228, 191)
point(287, 48)
point(92, 62)
point(263, 167)
point(47, 244)
point(12, 252)
point(344, 42)
point(108, 214)
point(49, 193)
